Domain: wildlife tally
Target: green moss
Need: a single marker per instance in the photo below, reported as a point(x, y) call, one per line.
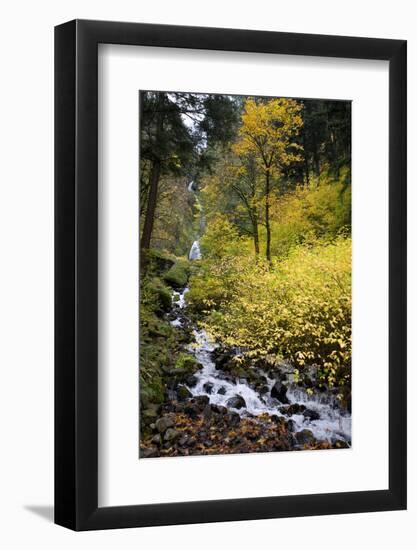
point(187, 363)
point(152, 391)
point(177, 275)
point(157, 261)
point(156, 295)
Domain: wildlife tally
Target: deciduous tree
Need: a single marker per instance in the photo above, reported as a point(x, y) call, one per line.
point(268, 132)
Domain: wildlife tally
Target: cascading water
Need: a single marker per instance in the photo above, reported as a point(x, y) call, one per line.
point(195, 253)
point(331, 423)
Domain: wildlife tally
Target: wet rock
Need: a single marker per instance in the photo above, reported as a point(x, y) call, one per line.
point(294, 408)
point(183, 452)
point(227, 377)
point(263, 390)
point(290, 425)
point(207, 412)
point(150, 414)
point(222, 391)
point(304, 437)
point(171, 435)
point(219, 409)
point(183, 440)
point(183, 393)
point(201, 401)
point(236, 402)
point(340, 444)
point(191, 380)
point(161, 261)
point(239, 372)
point(233, 419)
point(157, 439)
point(208, 387)
point(311, 415)
point(150, 452)
point(162, 424)
point(279, 391)
point(192, 410)
point(222, 360)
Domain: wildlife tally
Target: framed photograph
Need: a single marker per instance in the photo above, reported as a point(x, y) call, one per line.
point(230, 248)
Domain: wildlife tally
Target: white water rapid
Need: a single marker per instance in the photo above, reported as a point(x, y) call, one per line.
point(330, 425)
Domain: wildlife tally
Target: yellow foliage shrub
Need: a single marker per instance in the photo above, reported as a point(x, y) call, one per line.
point(300, 310)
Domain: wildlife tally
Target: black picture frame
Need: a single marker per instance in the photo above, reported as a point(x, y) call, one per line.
point(76, 272)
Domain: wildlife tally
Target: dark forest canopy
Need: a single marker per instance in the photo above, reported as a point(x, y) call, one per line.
point(189, 137)
point(177, 130)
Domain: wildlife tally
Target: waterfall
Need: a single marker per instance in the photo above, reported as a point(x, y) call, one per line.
point(195, 253)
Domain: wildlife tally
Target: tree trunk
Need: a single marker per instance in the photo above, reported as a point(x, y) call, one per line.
point(154, 175)
point(267, 225)
point(305, 154)
point(316, 161)
point(255, 233)
point(150, 211)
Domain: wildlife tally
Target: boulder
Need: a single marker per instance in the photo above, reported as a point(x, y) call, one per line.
point(219, 409)
point(304, 437)
point(223, 360)
point(207, 412)
point(150, 452)
point(311, 415)
point(340, 444)
point(192, 410)
point(191, 380)
point(183, 440)
point(201, 401)
point(156, 440)
point(163, 423)
point(279, 391)
point(221, 391)
point(236, 402)
point(290, 425)
point(233, 419)
point(149, 415)
point(171, 435)
point(183, 393)
point(208, 387)
point(294, 408)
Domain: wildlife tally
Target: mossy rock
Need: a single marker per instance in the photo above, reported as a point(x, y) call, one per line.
point(158, 260)
point(152, 391)
point(177, 275)
point(162, 294)
point(186, 363)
